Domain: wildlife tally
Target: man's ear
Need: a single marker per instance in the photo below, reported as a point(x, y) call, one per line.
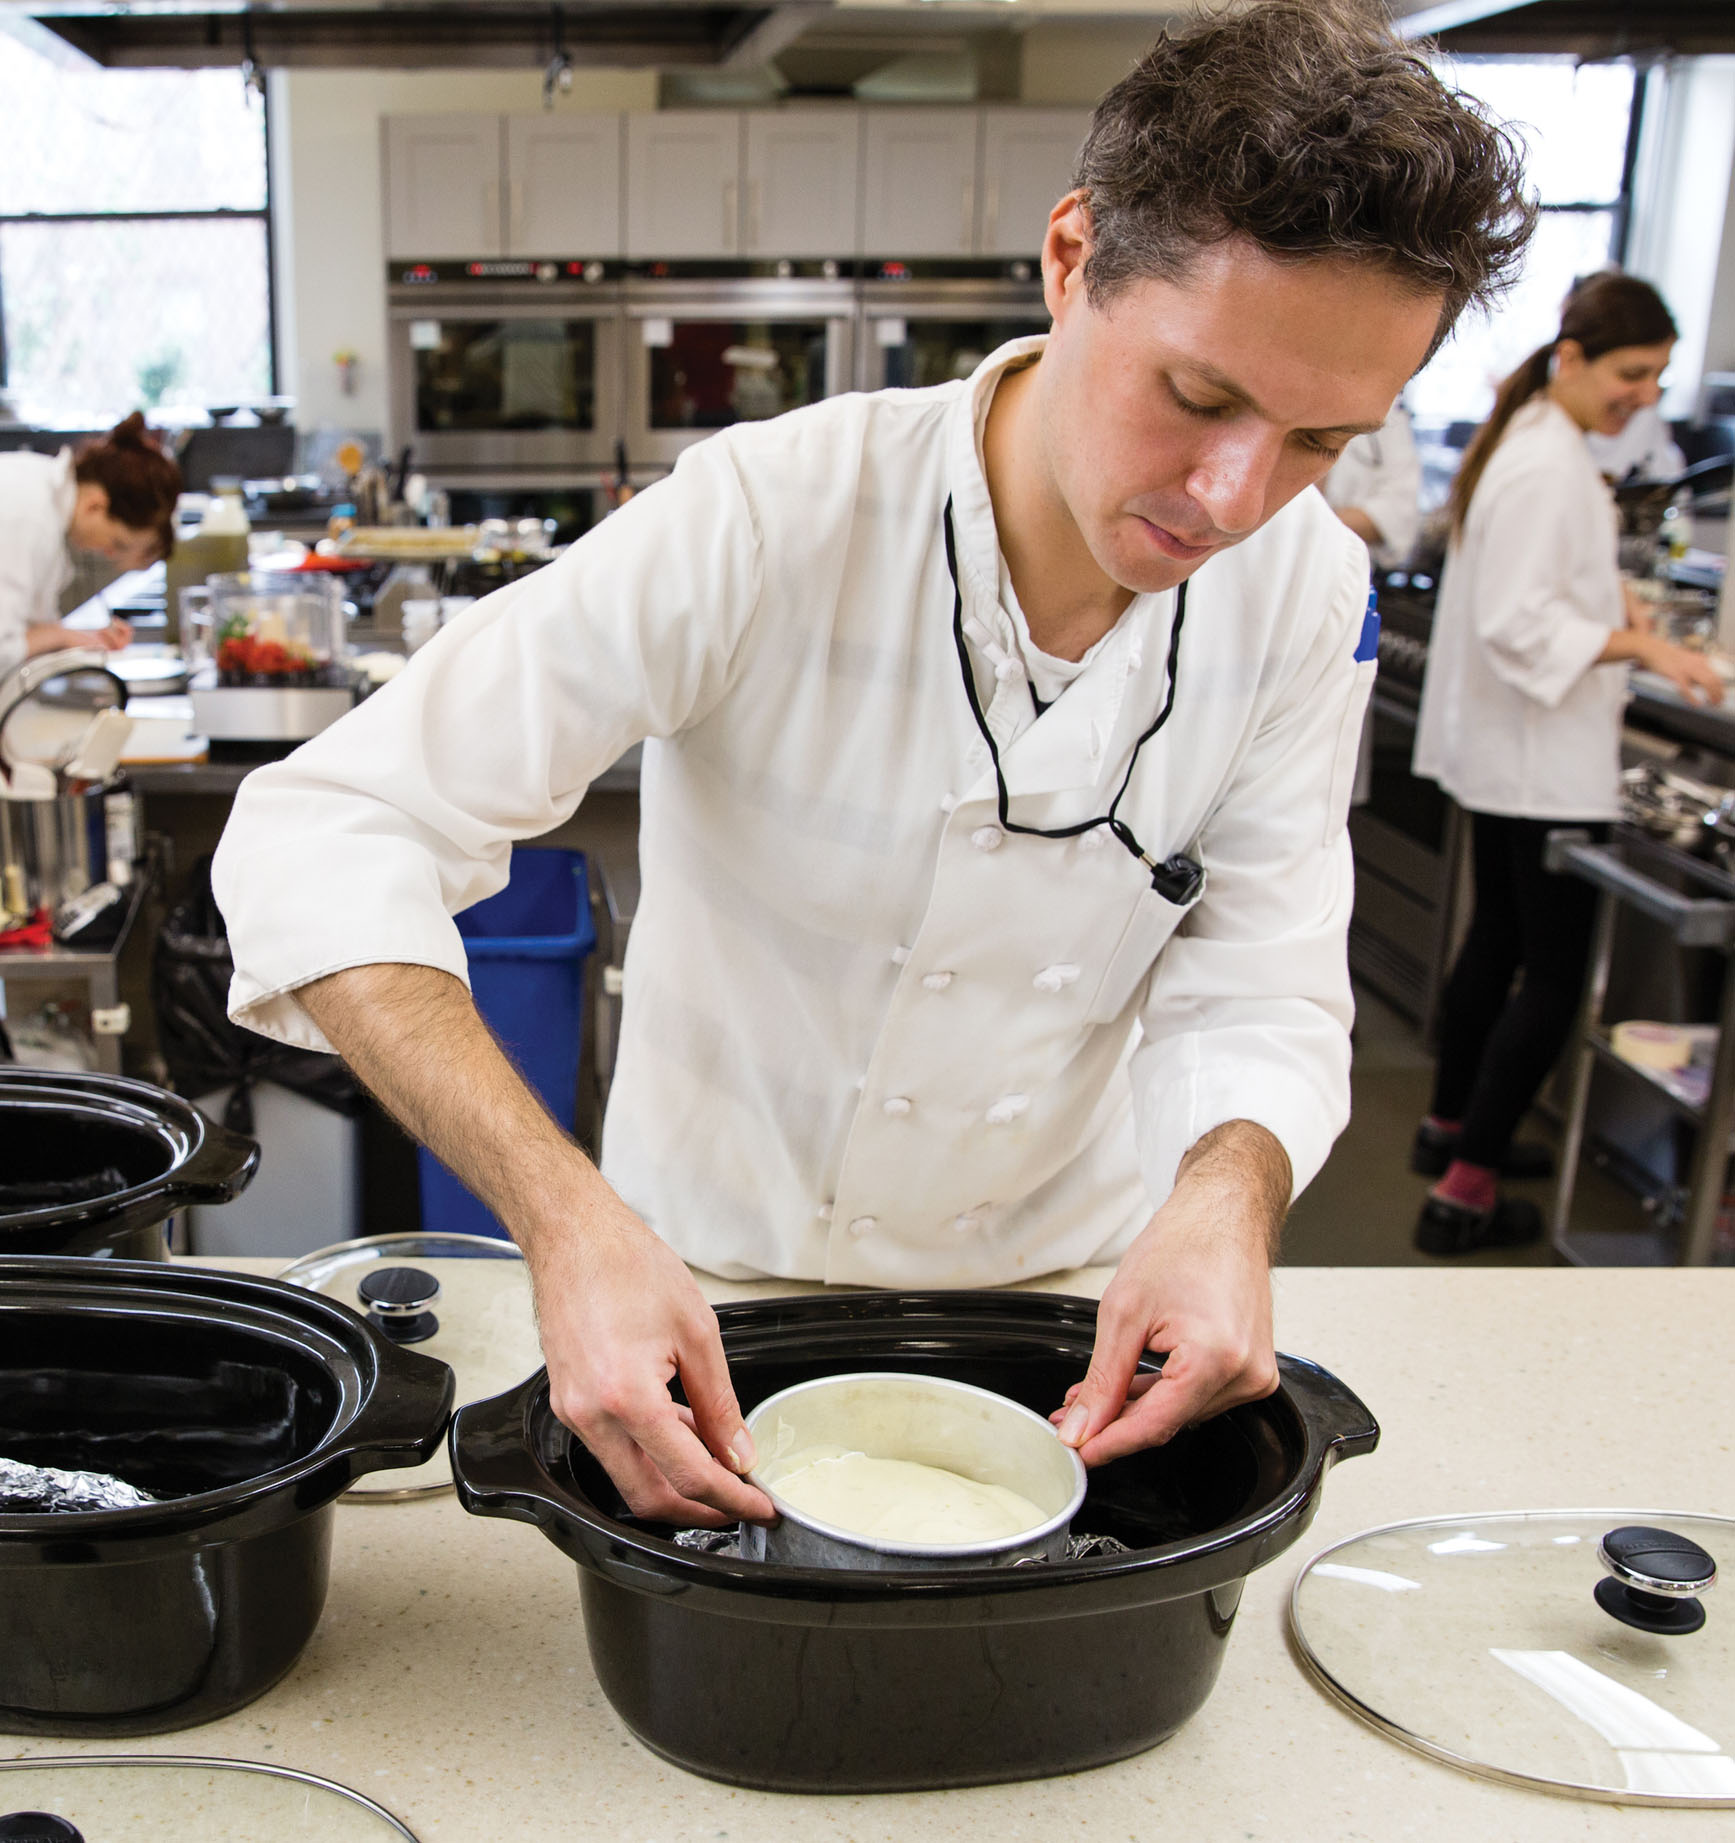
point(1065, 250)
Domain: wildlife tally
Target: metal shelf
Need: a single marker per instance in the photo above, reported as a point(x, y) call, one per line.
point(1620, 870)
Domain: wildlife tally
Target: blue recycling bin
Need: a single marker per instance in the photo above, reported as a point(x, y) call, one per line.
point(527, 947)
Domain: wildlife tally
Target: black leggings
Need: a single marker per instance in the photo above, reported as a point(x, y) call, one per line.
point(1497, 1043)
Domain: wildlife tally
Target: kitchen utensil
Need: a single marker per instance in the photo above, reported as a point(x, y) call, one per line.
point(934, 1422)
point(177, 1798)
point(484, 1324)
point(1572, 1651)
point(48, 705)
point(244, 1405)
point(61, 1132)
point(844, 1680)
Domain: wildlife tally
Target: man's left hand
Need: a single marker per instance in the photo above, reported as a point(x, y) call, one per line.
point(1196, 1286)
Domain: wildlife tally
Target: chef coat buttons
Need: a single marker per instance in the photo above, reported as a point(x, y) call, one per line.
point(824, 1212)
point(966, 1224)
point(1008, 670)
point(987, 838)
point(1056, 978)
point(897, 1105)
point(864, 1225)
point(1007, 1109)
point(900, 956)
point(936, 982)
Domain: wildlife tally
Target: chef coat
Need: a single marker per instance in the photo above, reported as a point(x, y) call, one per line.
point(38, 494)
point(1517, 717)
point(869, 1036)
point(1382, 473)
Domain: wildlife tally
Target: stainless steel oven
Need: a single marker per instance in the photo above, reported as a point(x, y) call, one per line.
point(504, 365)
point(704, 351)
point(1407, 834)
point(926, 323)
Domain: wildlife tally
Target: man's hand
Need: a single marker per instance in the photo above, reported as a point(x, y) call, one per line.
point(620, 1317)
point(1196, 1286)
point(619, 1314)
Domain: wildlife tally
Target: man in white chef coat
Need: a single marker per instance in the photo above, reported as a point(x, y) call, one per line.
point(1375, 487)
point(998, 741)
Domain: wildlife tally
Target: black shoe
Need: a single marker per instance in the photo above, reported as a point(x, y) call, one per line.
point(1434, 1148)
point(1454, 1228)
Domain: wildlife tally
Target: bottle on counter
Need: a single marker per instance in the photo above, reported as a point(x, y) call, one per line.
point(217, 548)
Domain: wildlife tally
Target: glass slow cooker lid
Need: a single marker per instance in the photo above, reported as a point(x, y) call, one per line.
point(462, 1298)
point(1584, 1651)
point(170, 1798)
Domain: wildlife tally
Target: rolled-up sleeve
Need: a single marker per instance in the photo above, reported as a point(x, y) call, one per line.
point(1248, 1010)
point(360, 847)
point(1536, 640)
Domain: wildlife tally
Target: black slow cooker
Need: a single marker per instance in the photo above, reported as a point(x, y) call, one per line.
point(99, 1162)
point(803, 1679)
point(245, 1407)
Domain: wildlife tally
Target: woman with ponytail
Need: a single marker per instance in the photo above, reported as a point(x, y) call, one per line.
point(1520, 723)
point(116, 497)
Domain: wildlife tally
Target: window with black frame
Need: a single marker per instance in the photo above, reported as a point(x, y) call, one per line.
point(135, 249)
point(1579, 123)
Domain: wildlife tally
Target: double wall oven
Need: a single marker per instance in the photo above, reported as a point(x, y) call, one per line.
point(534, 387)
point(505, 384)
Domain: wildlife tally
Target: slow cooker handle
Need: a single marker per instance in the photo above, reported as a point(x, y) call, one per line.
point(406, 1412)
point(1333, 1415)
point(222, 1165)
point(493, 1469)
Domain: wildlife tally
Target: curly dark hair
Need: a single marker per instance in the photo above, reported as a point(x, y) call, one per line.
point(1309, 128)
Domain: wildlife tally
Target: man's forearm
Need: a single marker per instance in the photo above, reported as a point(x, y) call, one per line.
point(413, 1036)
point(1246, 1166)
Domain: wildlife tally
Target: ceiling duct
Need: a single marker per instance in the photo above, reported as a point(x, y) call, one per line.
point(1586, 29)
point(629, 34)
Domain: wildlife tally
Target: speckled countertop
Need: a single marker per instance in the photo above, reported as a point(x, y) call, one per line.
point(449, 1680)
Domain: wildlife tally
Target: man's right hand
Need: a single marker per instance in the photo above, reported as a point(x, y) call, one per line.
point(620, 1316)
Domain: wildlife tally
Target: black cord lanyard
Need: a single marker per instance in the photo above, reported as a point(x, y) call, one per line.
point(1178, 879)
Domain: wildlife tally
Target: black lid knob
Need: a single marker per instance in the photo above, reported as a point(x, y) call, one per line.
point(1654, 1579)
point(398, 1289)
point(397, 1299)
point(37, 1827)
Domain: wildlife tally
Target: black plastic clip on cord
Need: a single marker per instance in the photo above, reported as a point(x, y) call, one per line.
point(1177, 879)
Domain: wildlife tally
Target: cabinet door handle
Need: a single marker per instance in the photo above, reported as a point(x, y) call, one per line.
point(491, 216)
point(991, 217)
point(967, 234)
point(514, 213)
point(731, 190)
point(752, 214)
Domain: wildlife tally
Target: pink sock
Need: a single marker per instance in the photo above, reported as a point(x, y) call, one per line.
point(1474, 1186)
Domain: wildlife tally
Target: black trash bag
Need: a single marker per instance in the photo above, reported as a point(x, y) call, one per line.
point(190, 972)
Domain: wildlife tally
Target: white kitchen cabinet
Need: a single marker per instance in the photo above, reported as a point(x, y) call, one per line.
point(802, 171)
point(683, 188)
point(443, 185)
point(563, 185)
point(919, 182)
point(1027, 161)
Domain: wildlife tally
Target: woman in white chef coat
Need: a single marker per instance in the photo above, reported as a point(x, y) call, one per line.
point(1520, 723)
point(116, 497)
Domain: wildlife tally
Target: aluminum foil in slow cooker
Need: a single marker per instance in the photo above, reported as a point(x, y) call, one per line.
point(32, 1490)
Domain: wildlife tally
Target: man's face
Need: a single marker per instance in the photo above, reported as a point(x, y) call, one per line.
point(1179, 416)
